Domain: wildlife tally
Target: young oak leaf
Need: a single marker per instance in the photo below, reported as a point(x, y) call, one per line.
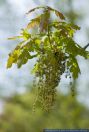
point(10, 62)
point(58, 14)
point(13, 57)
point(34, 22)
point(47, 8)
point(15, 37)
point(32, 10)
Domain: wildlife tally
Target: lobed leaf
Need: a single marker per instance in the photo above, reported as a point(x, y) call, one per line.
point(34, 22)
point(73, 66)
point(58, 14)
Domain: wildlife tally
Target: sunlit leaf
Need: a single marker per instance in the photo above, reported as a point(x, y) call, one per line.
point(26, 35)
point(34, 22)
point(60, 15)
point(15, 37)
point(10, 62)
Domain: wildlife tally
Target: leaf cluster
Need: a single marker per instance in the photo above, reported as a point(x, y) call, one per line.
point(54, 48)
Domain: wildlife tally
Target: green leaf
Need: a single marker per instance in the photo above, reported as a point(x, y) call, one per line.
point(15, 37)
point(10, 62)
point(13, 57)
point(73, 66)
point(59, 14)
point(34, 22)
point(26, 35)
point(74, 26)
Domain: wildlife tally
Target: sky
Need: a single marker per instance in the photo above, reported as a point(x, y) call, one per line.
point(13, 18)
point(12, 78)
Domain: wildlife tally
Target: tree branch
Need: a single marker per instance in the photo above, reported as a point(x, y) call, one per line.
point(86, 46)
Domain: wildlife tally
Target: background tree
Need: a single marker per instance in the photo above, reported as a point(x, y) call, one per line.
point(18, 115)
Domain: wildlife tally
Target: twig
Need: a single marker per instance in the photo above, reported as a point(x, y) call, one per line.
point(49, 37)
point(86, 46)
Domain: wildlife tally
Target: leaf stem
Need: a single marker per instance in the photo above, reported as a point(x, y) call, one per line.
point(49, 37)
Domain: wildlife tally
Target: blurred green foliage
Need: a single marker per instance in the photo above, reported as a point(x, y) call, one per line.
point(18, 115)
